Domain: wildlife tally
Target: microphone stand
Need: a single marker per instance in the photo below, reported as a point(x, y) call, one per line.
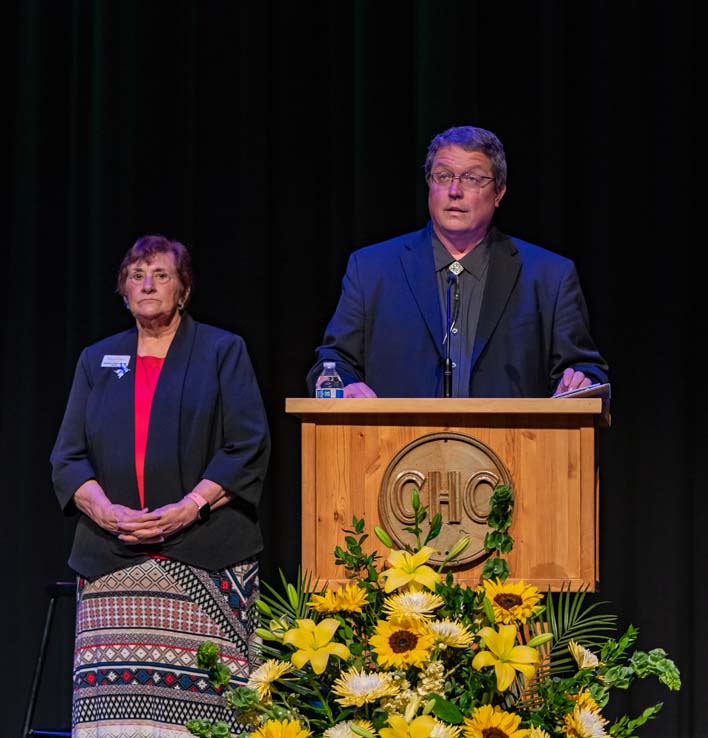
point(447, 364)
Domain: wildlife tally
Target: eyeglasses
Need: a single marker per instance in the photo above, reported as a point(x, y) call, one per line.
point(468, 180)
point(158, 276)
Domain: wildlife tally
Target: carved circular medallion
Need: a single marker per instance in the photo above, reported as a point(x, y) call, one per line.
point(454, 474)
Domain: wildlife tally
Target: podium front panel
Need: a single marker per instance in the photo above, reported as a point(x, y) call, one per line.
point(549, 453)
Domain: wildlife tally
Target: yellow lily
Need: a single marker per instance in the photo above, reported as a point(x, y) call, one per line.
point(313, 643)
point(410, 569)
point(505, 656)
point(420, 727)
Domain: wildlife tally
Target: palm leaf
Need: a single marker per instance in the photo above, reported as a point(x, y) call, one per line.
point(291, 601)
point(570, 619)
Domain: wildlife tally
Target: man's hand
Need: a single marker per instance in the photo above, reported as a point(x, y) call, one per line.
point(571, 380)
point(358, 389)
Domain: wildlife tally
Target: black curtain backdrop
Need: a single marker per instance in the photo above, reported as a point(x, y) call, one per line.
point(273, 139)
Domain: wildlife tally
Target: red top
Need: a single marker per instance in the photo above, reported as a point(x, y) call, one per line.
point(147, 372)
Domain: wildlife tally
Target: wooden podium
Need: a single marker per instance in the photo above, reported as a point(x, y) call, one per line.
point(355, 451)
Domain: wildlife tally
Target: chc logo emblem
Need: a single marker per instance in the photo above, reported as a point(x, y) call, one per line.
point(455, 475)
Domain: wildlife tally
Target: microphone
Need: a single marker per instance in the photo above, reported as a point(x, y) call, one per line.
point(450, 322)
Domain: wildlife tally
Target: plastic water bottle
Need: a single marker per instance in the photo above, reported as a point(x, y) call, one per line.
point(329, 383)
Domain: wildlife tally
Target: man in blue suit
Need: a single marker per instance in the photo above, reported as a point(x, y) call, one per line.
point(460, 309)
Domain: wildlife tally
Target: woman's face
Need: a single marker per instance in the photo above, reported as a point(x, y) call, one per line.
point(153, 290)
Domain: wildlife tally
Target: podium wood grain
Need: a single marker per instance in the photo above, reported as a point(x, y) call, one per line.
point(549, 447)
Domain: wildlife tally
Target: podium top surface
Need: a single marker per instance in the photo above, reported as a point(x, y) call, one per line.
point(304, 407)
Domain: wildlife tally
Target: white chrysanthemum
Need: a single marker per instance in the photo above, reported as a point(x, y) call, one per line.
point(344, 729)
point(451, 633)
point(413, 604)
point(357, 688)
point(583, 723)
point(443, 730)
point(263, 677)
point(583, 658)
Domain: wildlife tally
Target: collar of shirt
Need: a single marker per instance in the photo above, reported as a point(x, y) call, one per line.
point(475, 261)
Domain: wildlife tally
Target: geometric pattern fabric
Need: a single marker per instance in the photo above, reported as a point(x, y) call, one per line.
point(137, 633)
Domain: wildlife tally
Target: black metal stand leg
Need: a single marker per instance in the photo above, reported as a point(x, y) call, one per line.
point(38, 669)
point(56, 590)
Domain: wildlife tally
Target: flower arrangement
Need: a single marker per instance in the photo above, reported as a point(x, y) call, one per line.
point(401, 651)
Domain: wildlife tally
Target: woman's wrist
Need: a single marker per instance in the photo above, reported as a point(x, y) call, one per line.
point(196, 498)
point(203, 506)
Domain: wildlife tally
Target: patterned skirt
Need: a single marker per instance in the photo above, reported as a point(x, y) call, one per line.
point(137, 634)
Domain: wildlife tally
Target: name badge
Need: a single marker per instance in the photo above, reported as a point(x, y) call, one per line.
point(118, 363)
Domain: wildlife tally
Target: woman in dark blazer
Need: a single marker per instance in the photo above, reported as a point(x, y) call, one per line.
point(162, 454)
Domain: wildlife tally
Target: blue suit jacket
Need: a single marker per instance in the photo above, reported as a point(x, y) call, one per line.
point(207, 421)
point(387, 329)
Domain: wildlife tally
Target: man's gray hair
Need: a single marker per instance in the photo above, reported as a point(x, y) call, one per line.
point(471, 138)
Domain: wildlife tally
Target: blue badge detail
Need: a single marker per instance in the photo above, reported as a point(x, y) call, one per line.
point(121, 371)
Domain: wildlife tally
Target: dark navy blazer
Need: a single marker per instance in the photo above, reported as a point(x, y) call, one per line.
point(207, 421)
point(387, 329)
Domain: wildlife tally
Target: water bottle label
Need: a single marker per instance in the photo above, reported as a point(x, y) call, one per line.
point(329, 392)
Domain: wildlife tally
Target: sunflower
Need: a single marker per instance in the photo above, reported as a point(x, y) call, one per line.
point(487, 721)
point(513, 602)
point(420, 727)
point(506, 657)
point(350, 598)
point(357, 688)
point(281, 729)
point(584, 723)
point(313, 643)
point(450, 633)
point(413, 604)
point(408, 569)
point(402, 642)
point(268, 672)
point(344, 729)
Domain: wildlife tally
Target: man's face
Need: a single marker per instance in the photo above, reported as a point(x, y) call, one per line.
point(462, 211)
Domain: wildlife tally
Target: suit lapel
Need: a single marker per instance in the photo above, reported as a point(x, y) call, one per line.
point(118, 403)
point(419, 269)
point(163, 473)
point(502, 273)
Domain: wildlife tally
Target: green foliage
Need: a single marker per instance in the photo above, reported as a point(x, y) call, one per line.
point(208, 658)
point(447, 711)
point(205, 729)
point(501, 506)
point(358, 564)
point(495, 569)
point(626, 728)
point(497, 541)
